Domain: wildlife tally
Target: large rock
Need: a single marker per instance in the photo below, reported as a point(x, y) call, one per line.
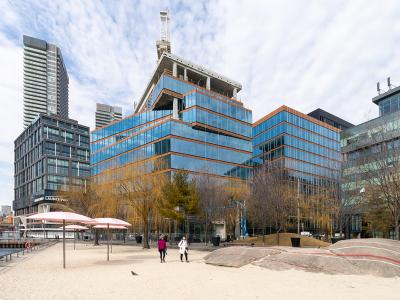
point(311, 260)
point(237, 256)
point(377, 257)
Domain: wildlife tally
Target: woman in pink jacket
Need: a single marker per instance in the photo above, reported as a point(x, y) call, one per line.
point(162, 248)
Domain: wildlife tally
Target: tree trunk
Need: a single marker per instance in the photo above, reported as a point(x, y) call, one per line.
point(396, 225)
point(187, 228)
point(157, 229)
point(263, 235)
point(146, 233)
point(277, 234)
point(205, 233)
point(96, 237)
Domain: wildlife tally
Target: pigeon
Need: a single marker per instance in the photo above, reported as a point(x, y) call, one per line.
point(134, 274)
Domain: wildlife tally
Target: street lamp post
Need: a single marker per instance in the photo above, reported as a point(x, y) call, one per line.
point(185, 220)
point(241, 207)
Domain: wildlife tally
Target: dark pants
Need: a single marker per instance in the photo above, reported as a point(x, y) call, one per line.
point(186, 256)
point(162, 254)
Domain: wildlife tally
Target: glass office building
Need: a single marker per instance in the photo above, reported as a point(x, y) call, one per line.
point(362, 148)
point(188, 118)
point(50, 154)
point(306, 148)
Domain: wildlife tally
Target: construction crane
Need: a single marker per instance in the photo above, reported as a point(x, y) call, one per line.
point(164, 44)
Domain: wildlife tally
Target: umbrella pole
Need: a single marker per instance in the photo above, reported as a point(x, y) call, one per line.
point(111, 239)
point(74, 238)
point(64, 244)
point(108, 242)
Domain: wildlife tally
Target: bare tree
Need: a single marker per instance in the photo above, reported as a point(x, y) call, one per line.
point(272, 197)
point(382, 169)
point(377, 215)
point(350, 195)
point(142, 189)
point(235, 195)
point(86, 200)
point(384, 174)
point(210, 192)
point(323, 208)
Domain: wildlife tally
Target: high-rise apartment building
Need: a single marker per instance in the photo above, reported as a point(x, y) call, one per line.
point(51, 154)
point(45, 80)
point(105, 114)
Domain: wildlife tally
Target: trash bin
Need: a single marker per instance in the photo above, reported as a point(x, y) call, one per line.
point(336, 239)
point(138, 239)
point(295, 241)
point(216, 240)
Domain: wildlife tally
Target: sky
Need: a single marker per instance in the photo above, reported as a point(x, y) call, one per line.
point(304, 54)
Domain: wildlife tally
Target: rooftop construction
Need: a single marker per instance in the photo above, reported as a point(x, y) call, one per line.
point(172, 65)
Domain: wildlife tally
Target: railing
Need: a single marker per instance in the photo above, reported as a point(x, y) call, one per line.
point(10, 247)
point(214, 94)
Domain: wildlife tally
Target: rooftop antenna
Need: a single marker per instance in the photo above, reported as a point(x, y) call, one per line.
point(164, 44)
point(378, 88)
point(389, 84)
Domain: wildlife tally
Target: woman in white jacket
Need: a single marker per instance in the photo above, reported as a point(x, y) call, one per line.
point(183, 249)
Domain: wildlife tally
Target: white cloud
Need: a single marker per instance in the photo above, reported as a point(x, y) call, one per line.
point(303, 54)
point(11, 113)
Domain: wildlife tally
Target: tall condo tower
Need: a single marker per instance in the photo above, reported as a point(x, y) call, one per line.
point(164, 44)
point(45, 80)
point(105, 114)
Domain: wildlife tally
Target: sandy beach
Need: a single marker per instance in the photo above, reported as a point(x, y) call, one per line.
point(89, 276)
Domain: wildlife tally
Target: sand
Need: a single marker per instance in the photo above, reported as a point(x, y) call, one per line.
point(89, 276)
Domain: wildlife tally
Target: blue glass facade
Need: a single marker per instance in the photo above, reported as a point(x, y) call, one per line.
point(307, 148)
point(212, 134)
point(389, 105)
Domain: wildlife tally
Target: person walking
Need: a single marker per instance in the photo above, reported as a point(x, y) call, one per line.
point(183, 249)
point(162, 248)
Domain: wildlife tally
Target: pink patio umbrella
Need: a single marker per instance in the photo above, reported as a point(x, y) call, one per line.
point(74, 228)
point(111, 227)
point(108, 222)
point(61, 216)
